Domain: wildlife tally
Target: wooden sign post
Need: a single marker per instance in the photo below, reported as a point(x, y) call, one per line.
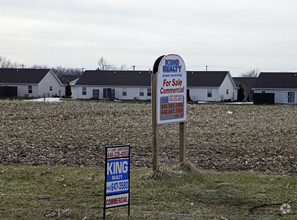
point(155, 126)
point(169, 100)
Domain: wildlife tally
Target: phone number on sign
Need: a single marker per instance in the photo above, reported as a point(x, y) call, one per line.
point(117, 186)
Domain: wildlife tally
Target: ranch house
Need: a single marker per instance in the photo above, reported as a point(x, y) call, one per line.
point(30, 83)
point(211, 86)
point(276, 88)
point(113, 84)
point(136, 85)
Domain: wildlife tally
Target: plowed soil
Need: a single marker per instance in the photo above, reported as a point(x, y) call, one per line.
point(221, 137)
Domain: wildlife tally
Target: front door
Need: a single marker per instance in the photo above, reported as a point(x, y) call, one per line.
point(95, 93)
point(105, 93)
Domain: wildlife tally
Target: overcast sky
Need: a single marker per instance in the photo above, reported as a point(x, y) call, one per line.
point(233, 35)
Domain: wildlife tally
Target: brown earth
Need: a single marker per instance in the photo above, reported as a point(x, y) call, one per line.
point(75, 133)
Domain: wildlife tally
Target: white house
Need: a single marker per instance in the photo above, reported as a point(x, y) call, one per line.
point(113, 84)
point(276, 87)
point(211, 86)
point(32, 82)
point(136, 85)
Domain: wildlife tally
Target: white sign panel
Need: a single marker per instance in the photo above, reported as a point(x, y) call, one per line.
point(117, 200)
point(171, 90)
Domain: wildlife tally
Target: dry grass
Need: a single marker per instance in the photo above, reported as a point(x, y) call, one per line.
point(252, 138)
point(49, 192)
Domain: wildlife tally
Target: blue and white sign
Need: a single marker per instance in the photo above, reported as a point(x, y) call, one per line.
point(117, 176)
point(171, 90)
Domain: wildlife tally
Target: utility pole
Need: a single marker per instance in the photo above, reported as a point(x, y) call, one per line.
point(206, 67)
point(133, 68)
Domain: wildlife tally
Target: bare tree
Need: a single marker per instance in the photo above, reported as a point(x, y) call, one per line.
point(5, 63)
point(103, 65)
point(39, 67)
point(123, 67)
point(251, 73)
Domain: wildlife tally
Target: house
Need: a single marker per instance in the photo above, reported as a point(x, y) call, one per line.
point(136, 85)
point(276, 87)
point(31, 82)
point(211, 86)
point(113, 84)
point(247, 84)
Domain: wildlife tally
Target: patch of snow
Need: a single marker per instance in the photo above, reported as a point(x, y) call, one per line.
point(49, 99)
point(239, 103)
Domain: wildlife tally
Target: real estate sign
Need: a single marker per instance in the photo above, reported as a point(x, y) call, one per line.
point(171, 90)
point(117, 177)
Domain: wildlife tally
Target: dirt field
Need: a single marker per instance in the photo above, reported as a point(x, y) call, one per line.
point(74, 133)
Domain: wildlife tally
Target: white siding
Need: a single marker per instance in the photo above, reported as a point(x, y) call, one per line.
point(50, 80)
point(22, 90)
point(280, 96)
point(228, 85)
point(200, 94)
point(132, 92)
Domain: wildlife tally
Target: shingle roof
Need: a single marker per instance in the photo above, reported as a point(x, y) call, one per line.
point(22, 75)
point(245, 81)
point(206, 78)
point(276, 80)
point(143, 78)
point(111, 77)
point(68, 78)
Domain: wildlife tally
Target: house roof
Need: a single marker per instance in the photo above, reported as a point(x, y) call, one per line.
point(245, 81)
point(115, 77)
point(143, 78)
point(276, 80)
point(68, 78)
point(15, 76)
point(206, 78)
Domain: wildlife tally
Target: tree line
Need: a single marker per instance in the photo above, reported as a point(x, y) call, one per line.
point(102, 65)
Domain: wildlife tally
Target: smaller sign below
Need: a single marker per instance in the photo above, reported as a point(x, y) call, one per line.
point(117, 200)
point(117, 177)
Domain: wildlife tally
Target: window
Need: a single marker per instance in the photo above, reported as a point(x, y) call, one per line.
point(141, 93)
point(30, 89)
point(51, 88)
point(149, 92)
point(227, 91)
point(84, 90)
point(290, 97)
point(124, 92)
point(209, 93)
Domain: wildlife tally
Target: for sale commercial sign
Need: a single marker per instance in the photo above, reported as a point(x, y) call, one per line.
point(117, 175)
point(171, 89)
